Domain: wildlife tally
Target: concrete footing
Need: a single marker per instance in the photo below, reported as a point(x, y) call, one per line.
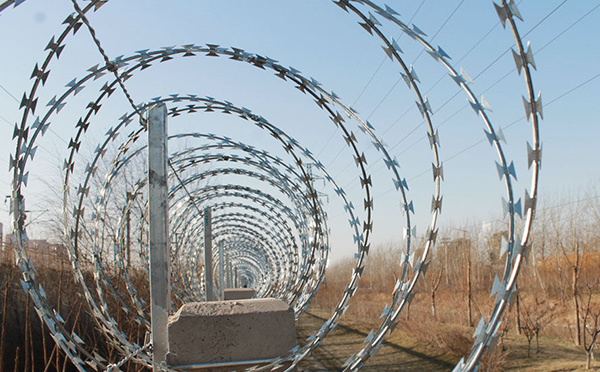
point(238, 294)
point(230, 335)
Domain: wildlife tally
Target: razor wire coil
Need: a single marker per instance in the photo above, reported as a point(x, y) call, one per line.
point(298, 278)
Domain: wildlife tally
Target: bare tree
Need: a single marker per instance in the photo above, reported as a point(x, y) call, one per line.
point(466, 247)
point(590, 320)
point(575, 265)
point(435, 284)
point(535, 317)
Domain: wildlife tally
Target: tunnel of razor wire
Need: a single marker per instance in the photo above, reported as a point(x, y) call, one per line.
point(269, 234)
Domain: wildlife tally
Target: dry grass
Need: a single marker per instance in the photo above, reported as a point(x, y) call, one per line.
point(448, 333)
point(25, 343)
point(443, 338)
point(449, 342)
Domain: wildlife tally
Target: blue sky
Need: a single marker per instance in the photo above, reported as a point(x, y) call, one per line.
point(324, 42)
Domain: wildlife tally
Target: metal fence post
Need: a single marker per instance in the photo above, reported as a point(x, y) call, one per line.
point(208, 268)
point(158, 204)
point(229, 274)
point(221, 270)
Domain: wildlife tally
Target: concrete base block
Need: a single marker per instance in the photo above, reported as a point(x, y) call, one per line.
point(238, 294)
point(235, 367)
point(230, 331)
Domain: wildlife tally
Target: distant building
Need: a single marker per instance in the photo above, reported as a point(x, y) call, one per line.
point(38, 245)
point(44, 253)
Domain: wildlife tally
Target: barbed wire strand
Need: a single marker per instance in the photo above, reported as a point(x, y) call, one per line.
point(383, 60)
point(116, 367)
point(400, 79)
point(512, 123)
point(475, 144)
point(497, 82)
point(112, 67)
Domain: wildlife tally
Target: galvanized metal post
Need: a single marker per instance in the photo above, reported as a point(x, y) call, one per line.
point(229, 273)
point(221, 270)
point(208, 267)
point(158, 203)
point(128, 238)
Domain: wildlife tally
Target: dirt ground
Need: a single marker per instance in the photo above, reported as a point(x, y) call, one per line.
point(344, 341)
point(401, 353)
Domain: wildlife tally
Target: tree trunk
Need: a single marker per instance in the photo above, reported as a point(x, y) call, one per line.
point(518, 315)
point(588, 361)
point(433, 309)
point(577, 321)
point(469, 292)
point(27, 341)
point(434, 287)
point(17, 359)
point(2, 331)
point(576, 297)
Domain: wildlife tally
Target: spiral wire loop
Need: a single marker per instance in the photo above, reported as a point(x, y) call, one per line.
point(275, 227)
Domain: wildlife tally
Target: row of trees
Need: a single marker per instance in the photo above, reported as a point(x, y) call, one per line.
point(559, 286)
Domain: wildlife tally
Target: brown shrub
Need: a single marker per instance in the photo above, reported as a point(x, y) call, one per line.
point(497, 361)
point(449, 338)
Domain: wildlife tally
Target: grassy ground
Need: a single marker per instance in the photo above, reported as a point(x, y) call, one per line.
point(555, 355)
point(344, 341)
point(402, 352)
